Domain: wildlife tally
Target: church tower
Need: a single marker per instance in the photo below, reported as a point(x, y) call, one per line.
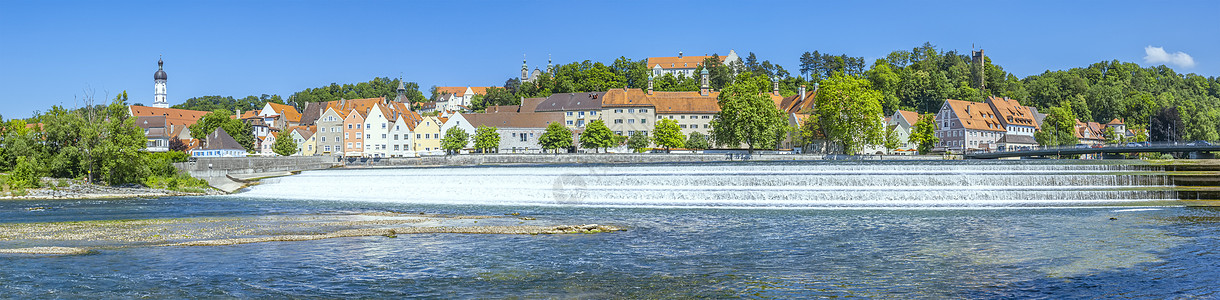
point(525, 69)
point(159, 86)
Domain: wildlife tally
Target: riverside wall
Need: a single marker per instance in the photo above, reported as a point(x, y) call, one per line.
point(226, 173)
point(603, 158)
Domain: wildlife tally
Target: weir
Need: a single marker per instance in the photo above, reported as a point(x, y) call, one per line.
point(781, 185)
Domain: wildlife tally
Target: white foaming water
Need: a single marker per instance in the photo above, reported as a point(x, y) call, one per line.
point(749, 185)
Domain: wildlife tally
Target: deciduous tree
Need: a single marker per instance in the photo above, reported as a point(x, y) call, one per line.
point(455, 139)
point(556, 137)
point(747, 116)
point(850, 112)
point(597, 135)
point(924, 133)
point(486, 139)
point(667, 134)
point(638, 141)
point(284, 145)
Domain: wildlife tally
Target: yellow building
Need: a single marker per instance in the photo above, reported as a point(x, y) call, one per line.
point(428, 136)
point(307, 143)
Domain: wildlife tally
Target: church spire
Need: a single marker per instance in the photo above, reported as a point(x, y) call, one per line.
point(159, 99)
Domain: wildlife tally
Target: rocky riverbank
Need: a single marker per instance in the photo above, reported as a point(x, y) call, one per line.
point(78, 189)
point(83, 237)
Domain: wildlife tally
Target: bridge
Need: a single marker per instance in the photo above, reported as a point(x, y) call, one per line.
point(1106, 149)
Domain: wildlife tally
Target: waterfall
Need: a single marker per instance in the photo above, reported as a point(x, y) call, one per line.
point(741, 185)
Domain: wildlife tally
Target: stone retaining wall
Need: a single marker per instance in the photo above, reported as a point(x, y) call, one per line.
point(206, 167)
point(496, 159)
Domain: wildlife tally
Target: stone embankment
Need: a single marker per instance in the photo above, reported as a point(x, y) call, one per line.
point(232, 173)
point(1197, 181)
point(78, 189)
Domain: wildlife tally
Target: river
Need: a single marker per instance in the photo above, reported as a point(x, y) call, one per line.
point(757, 230)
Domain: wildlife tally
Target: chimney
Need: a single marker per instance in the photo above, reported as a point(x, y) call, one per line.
point(342, 102)
point(679, 54)
point(237, 114)
point(800, 94)
point(775, 85)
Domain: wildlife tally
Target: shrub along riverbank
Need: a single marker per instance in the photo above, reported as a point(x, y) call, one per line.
point(97, 144)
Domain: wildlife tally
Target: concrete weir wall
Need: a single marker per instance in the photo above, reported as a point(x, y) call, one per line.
point(221, 172)
point(508, 159)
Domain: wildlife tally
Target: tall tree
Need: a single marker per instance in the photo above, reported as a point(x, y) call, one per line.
point(638, 141)
point(696, 141)
point(924, 133)
point(667, 134)
point(556, 137)
point(1059, 127)
point(597, 135)
point(850, 112)
point(455, 139)
point(486, 139)
point(284, 145)
point(747, 116)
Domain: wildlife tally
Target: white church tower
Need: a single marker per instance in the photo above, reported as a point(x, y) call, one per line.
point(159, 86)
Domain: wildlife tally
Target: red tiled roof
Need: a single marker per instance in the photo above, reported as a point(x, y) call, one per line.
point(975, 115)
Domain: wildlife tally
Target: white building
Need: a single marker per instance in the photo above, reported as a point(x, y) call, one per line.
point(219, 144)
point(685, 65)
point(456, 98)
point(458, 121)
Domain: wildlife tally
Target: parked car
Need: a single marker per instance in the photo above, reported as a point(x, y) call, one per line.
point(1082, 146)
point(1134, 144)
point(1199, 143)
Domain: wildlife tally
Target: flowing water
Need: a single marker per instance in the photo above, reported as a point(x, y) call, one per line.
point(757, 230)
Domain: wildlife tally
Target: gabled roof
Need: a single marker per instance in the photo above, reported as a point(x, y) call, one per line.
point(1116, 121)
point(175, 119)
point(530, 104)
point(684, 102)
point(304, 131)
point(514, 120)
point(1011, 112)
point(796, 104)
point(289, 112)
point(312, 111)
point(571, 101)
point(975, 115)
point(909, 117)
point(221, 140)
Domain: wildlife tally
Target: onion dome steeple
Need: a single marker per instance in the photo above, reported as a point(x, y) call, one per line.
point(160, 74)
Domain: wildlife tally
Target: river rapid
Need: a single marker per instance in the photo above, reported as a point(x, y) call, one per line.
point(756, 230)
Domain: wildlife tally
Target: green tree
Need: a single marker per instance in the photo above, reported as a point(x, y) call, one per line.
point(240, 131)
point(1059, 127)
point(638, 141)
point(284, 145)
point(27, 173)
point(924, 133)
point(486, 139)
point(697, 140)
point(597, 135)
point(556, 137)
point(891, 139)
point(667, 134)
point(747, 116)
point(120, 154)
point(850, 112)
point(455, 139)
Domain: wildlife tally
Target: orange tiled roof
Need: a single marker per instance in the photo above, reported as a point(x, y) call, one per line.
point(975, 115)
point(289, 112)
point(1012, 112)
point(663, 102)
point(1116, 121)
point(910, 117)
point(795, 104)
point(180, 119)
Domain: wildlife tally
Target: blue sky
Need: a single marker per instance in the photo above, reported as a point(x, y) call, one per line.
point(52, 52)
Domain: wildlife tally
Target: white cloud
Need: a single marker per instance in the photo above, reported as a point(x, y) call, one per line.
point(1157, 55)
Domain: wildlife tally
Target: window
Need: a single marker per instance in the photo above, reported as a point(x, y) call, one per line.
point(582, 114)
point(618, 111)
point(327, 148)
point(682, 126)
point(357, 135)
point(323, 139)
point(643, 121)
point(382, 125)
point(682, 117)
point(630, 121)
point(349, 144)
point(580, 123)
point(523, 137)
point(643, 110)
point(349, 126)
point(618, 132)
point(395, 137)
point(395, 147)
point(569, 113)
point(417, 135)
point(383, 135)
point(706, 125)
point(345, 135)
point(370, 125)
point(660, 117)
point(358, 145)
point(631, 111)
point(631, 132)
point(358, 126)
point(707, 117)
point(569, 122)
point(618, 121)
